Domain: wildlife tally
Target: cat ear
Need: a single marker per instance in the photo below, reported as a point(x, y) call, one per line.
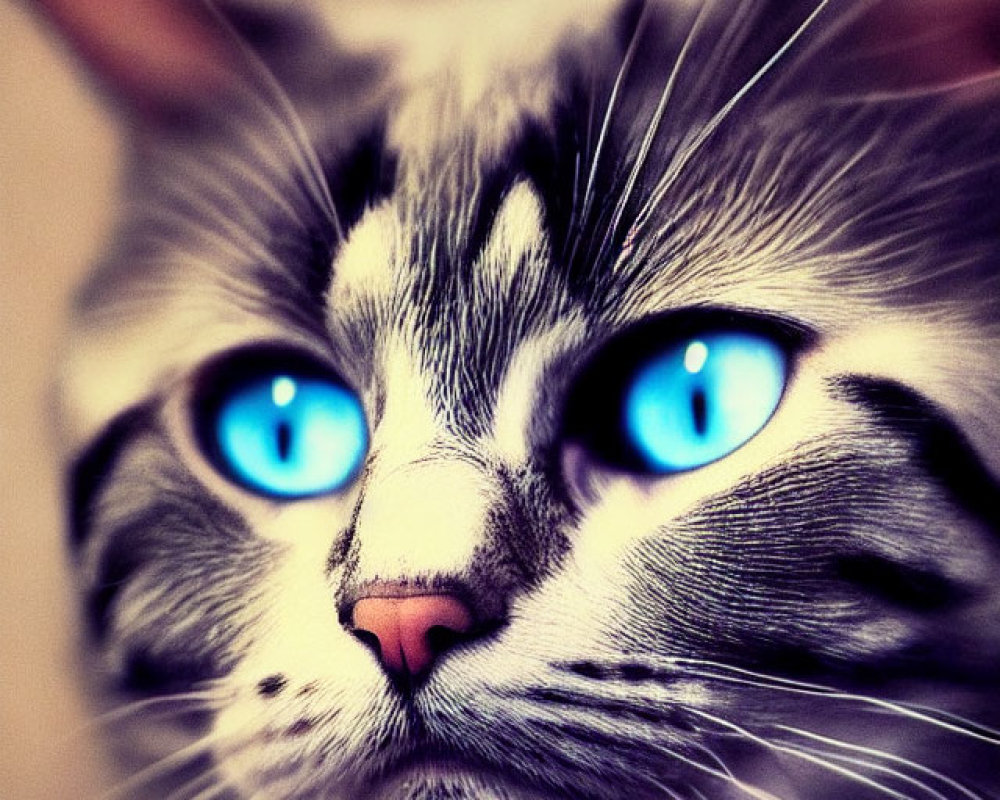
point(927, 44)
point(153, 56)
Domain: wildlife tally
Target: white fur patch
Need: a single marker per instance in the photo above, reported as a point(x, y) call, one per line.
point(423, 518)
point(407, 425)
point(472, 41)
point(420, 514)
point(517, 238)
point(364, 266)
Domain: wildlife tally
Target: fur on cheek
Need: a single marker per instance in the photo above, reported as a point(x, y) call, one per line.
point(310, 697)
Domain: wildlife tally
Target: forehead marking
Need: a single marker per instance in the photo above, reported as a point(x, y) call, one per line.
point(365, 264)
point(517, 236)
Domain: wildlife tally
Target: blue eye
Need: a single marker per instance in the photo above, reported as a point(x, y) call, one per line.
point(289, 435)
point(701, 399)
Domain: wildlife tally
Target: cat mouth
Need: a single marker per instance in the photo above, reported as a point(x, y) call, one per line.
point(423, 776)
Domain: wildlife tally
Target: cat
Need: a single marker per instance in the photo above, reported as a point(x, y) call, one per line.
point(549, 401)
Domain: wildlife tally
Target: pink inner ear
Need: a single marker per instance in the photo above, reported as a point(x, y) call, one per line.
point(153, 54)
point(927, 43)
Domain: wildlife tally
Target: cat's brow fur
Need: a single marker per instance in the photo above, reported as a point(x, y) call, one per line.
point(814, 616)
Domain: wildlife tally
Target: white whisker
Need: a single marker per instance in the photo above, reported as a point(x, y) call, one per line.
point(872, 766)
point(880, 754)
point(715, 61)
point(182, 703)
point(979, 81)
point(609, 111)
point(650, 735)
point(575, 201)
point(289, 125)
point(749, 790)
point(670, 793)
point(652, 128)
point(684, 158)
point(959, 725)
point(805, 756)
point(715, 757)
point(941, 718)
point(160, 769)
point(838, 24)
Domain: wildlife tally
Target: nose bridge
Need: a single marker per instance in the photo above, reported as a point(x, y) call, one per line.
point(422, 518)
point(408, 593)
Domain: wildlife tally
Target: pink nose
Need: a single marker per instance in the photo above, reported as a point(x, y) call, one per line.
point(411, 631)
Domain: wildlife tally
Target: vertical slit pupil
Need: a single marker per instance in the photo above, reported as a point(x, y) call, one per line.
point(284, 434)
point(699, 411)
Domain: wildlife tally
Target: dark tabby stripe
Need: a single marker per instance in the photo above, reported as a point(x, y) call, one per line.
point(96, 462)
point(941, 448)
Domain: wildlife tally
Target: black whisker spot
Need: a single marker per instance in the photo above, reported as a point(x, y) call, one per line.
point(301, 727)
point(588, 669)
point(637, 672)
point(272, 685)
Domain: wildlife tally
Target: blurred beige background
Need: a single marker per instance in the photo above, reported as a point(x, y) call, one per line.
point(57, 177)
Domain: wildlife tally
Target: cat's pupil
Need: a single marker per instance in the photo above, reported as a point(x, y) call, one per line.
point(284, 440)
point(699, 411)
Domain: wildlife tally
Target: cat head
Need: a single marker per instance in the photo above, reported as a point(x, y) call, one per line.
point(588, 402)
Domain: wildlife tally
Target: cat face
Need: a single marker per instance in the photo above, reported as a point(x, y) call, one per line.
point(602, 407)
